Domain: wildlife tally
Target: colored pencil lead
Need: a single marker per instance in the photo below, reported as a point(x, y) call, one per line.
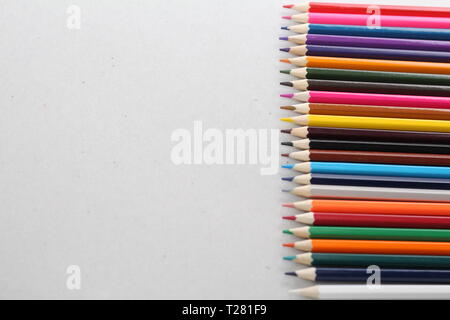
point(283, 38)
point(285, 154)
point(285, 60)
point(290, 274)
point(285, 190)
point(284, 49)
point(287, 231)
point(287, 95)
point(288, 6)
point(291, 108)
point(287, 84)
point(288, 205)
point(287, 178)
point(288, 131)
point(287, 17)
point(287, 120)
point(288, 143)
point(289, 245)
point(285, 71)
point(288, 166)
point(289, 258)
point(293, 218)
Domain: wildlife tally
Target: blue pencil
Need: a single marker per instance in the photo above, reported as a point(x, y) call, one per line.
point(362, 275)
point(371, 169)
point(382, 32)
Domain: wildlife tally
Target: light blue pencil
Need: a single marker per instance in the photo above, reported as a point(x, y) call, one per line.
point(371, 169)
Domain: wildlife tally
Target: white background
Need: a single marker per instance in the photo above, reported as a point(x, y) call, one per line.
point(85, 172)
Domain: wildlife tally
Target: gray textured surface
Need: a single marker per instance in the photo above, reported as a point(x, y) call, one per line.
point(86, 178)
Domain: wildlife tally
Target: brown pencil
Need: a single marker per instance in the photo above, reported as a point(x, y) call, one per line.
point(372, 157)
point(369, 111)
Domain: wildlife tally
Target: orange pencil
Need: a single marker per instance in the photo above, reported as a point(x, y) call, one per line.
point(373, 207)
point(370, 64)
point(372, 246)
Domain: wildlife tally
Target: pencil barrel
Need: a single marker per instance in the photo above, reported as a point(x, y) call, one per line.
point(381, 260)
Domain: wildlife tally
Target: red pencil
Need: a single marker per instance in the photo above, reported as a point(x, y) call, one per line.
point(354, 8)
point(372, 220)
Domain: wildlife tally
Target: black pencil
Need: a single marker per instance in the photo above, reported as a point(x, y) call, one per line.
point(369, 135)
point(369, 87)
point(370, 181)
point(369, 146)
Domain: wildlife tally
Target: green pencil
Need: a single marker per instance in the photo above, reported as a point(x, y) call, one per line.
point(370, 76)
point(318, 232)
point(365, 260)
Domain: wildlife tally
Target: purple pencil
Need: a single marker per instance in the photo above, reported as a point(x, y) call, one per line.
point(369, 53)
point(386, 43)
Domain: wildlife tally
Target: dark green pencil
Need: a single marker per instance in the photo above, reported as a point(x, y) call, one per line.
point(365, 260)
point(369, 76)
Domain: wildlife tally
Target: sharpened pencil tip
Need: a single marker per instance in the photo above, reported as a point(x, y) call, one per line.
point(288, 6)
point(287, 178)
point(286, 17)
point(289, 218)
point(287, 95)
point(290, 274)
point(288, 143)
point(285, 154)
point(285, 190)
point(290, 108)
point(288, 166)
point(285, 71)
point(284, 49)
point(289, 258)
point(287, 119)
point(283, 38)
point(288, 131)
point(287, 84)
point(285, 60)
point(288, 205)
point(289, 245)
point(287, 231)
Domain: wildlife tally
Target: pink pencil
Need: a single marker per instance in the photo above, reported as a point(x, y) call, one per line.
point(370, 99)
point(371, 20)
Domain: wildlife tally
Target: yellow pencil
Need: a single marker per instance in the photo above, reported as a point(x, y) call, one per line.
point(371, 123)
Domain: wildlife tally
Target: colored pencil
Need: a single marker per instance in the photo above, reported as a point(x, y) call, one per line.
point(361, 275)
point(354, 8)
point(370, 99)
point(364, 31)
point(369, 53)
point(365, 260)
point(384, 292)
point(320, 191)
point(370, 64)
point(371, 42)
point(366, 146)
point(370, 123)
point(368, 87)
point(371, 169)
point(364, 19)
point(327, 232)
point(372, 207)
point(371, 221)
point(319, 155)
point(369, 135)
point(369, 111)
point(371, 246)
point(370, 181)
point(369, 76)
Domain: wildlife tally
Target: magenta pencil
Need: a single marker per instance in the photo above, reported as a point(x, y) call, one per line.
point(372, 20)
point(370, 99)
